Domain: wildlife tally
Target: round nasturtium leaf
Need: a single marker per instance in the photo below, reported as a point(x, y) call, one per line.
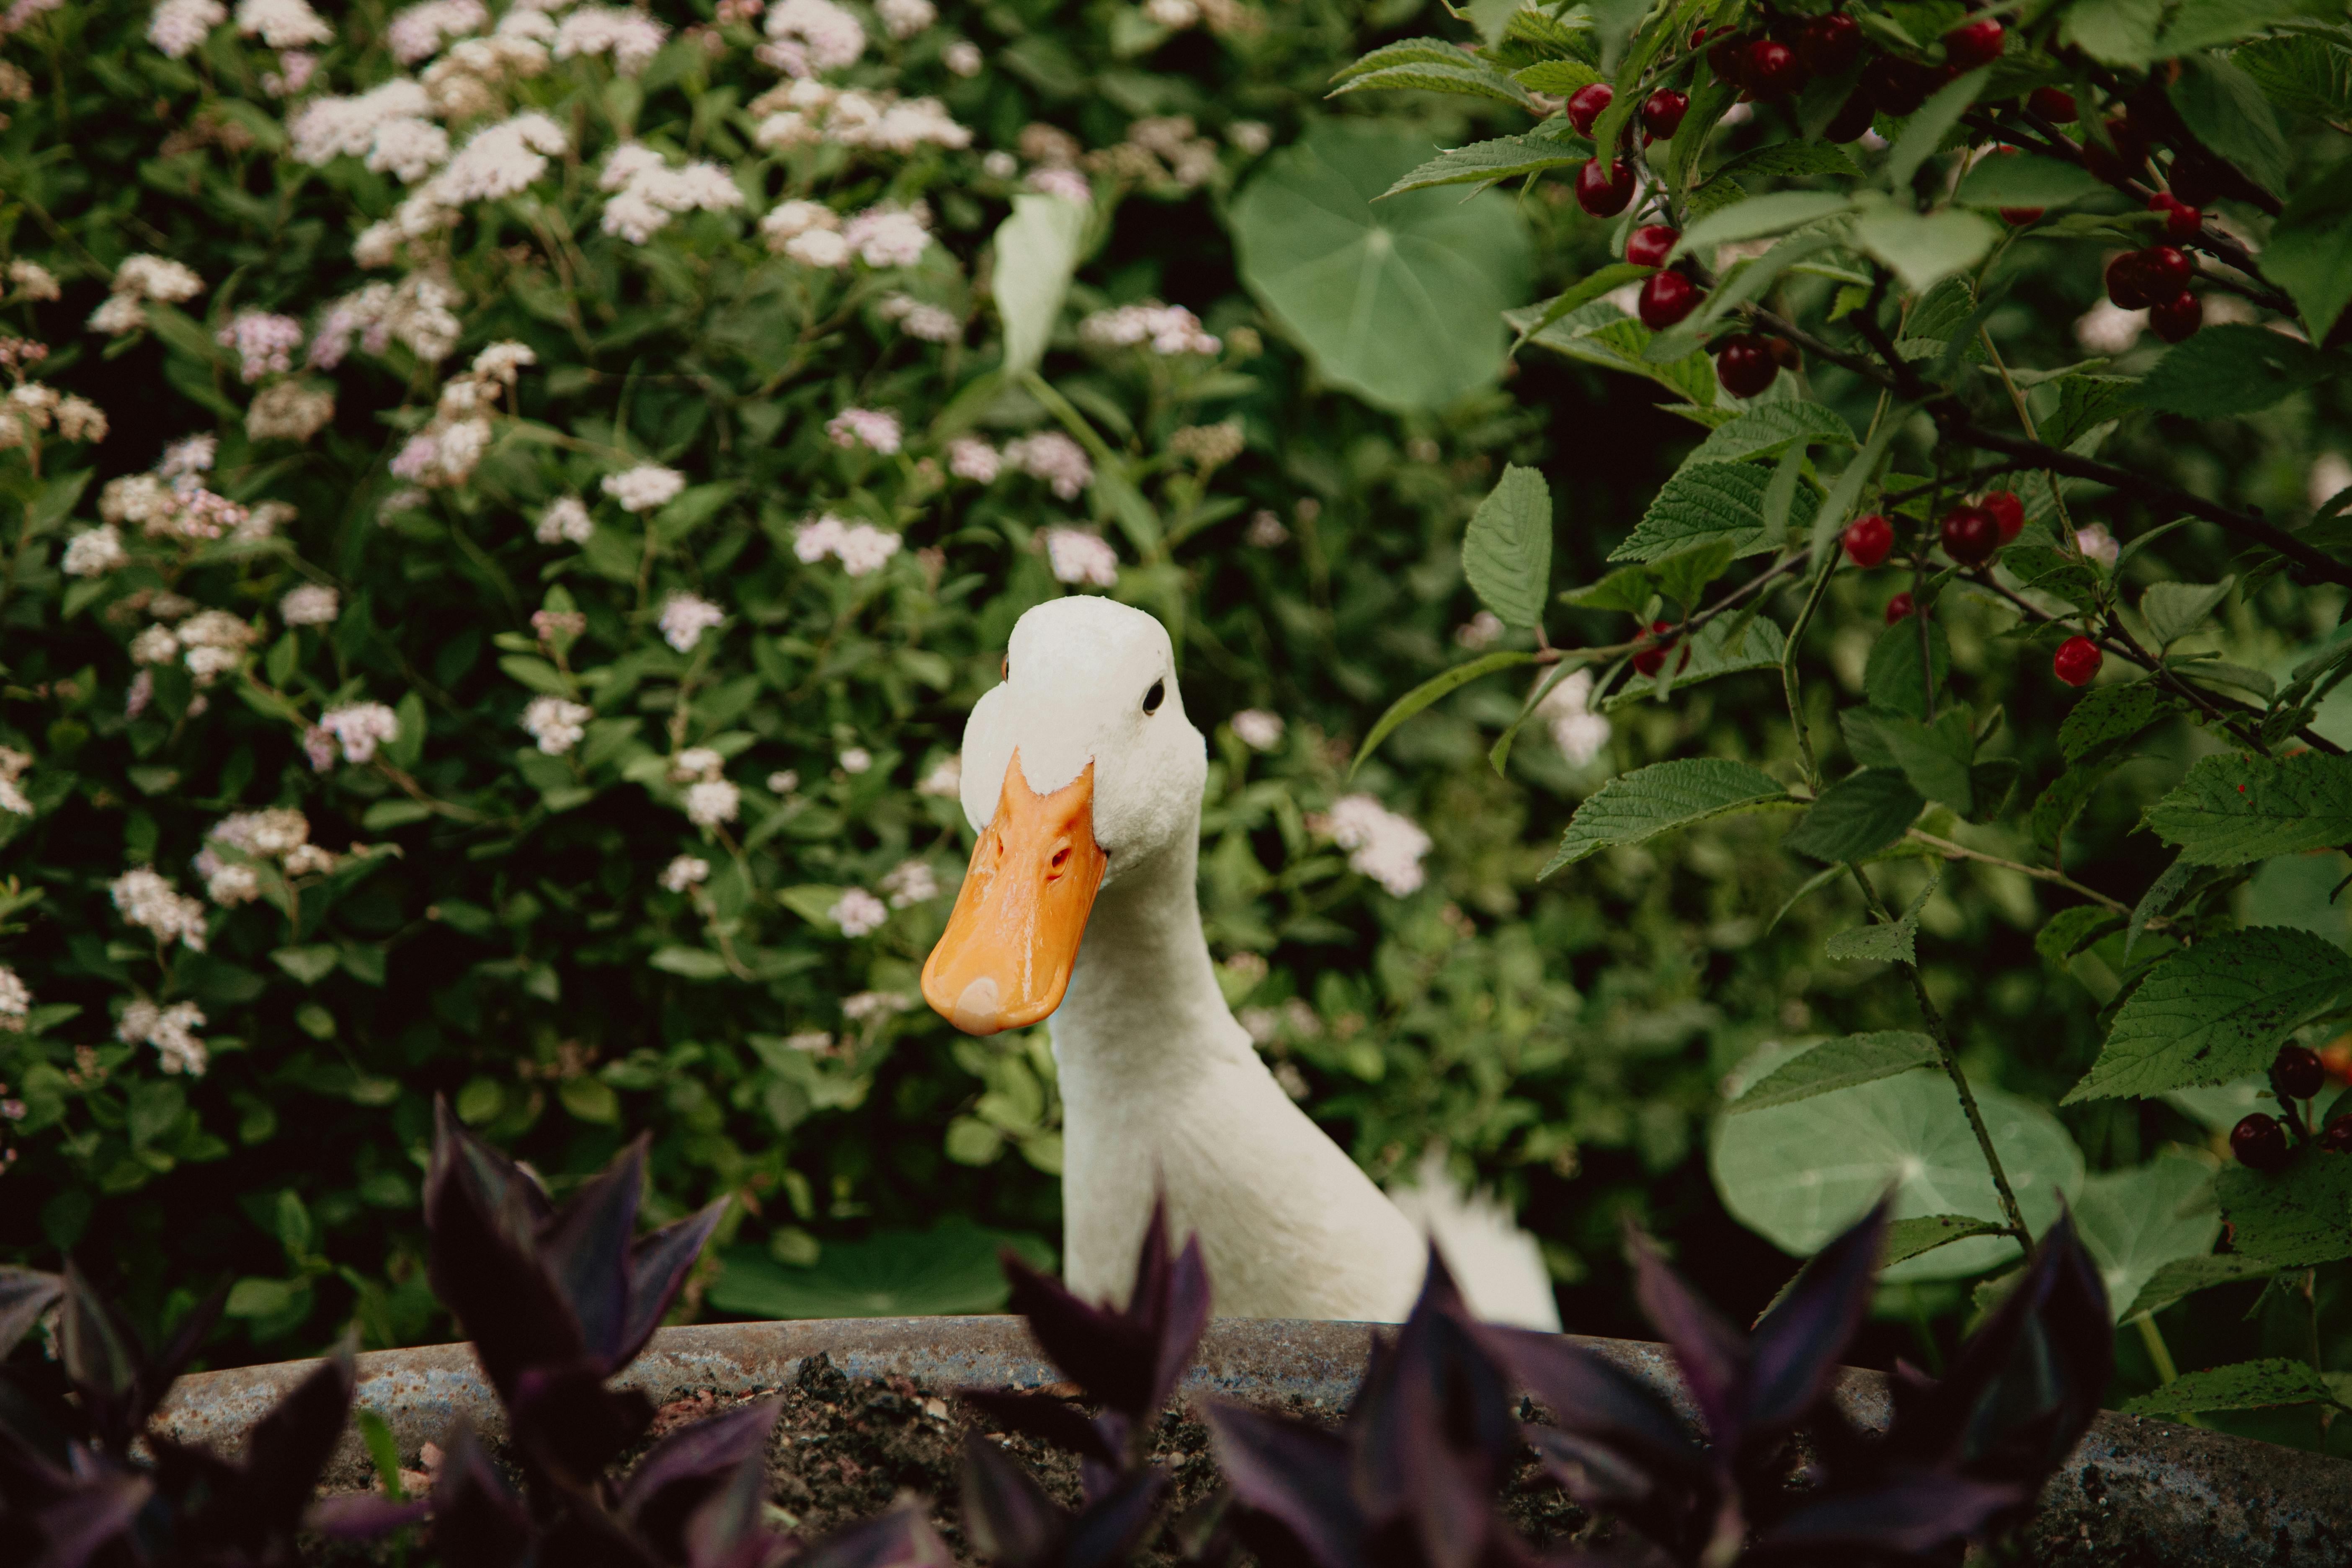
point(1399, 301)
point(951, 1269)
point(1798, 1174)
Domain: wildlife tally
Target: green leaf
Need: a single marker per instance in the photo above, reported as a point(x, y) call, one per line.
point(253, 1297)
point(2058, 572)
point(2226, 110)
point(1907, 1238)
point(1936, 757)
point(308, 964)
point(1639, 805)
point(1482, 163)
point(1926, 131)
point(2216, 1011)
point(2110, 714)
point(1760, 215)
point(1837, 1064)
point(1924, 248)
point(1722, 647)
point(1798, 1174)
point(2184, 1276)
point(1770, 429)
point(2086, 403)
point(949, 1270)
point(2173, 610)
point(2297, 1217)
point(2310, 250)
point(1630, 588)
point(1429, 691)
point(1400, 304)
point(2247, 1385)
point(1791, 161)
point(1560, 77)
point(1036, 251)
point(1403, 52)
point(1615, 276)
point(2232, 808)
point(2026, 180)
point(1857, 816)
point(1881, 942)
point(2069, 931)
point(2114, 32)
point(1892, 678)
point(2231, 370)
point(690, 963)
point(2137, 1221)
point(1683, 577)
point(1462, 74)
point(2306, 74)
point(386, 814)
point(1702, 505)
point(1845, 496)
point(1507, 550)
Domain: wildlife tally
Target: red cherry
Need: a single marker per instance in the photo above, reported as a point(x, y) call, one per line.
point(1970, 534)
point(1774, 68)
point(1974, 44)
point(2177, 318)
point(1666, 297)
point(2076, 661)
point(1652, 658)
point(1727, 56)
point(1829, 45)
point(1744, 366)
point(2055, 104)
point(1650, 244)
point(1868, 540)
point(2121, 161)
point(2127, 281)
point(2198, 178)
point(2297, 1073)
point(1896, 86)
point(2006, 510)
point(1898, 607)
point(2259, 1142)
point(1661, 113)
point(2337, 1138)
point(2181, 221)
point(2165, 267)
point(1586, 103)
point(1853, 120)
point(2018, 217)
point(1604, 192)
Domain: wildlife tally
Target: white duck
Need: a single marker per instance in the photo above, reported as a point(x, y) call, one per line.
point(1083, 779)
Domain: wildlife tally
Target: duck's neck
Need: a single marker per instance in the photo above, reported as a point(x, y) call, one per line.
point(1143, 996)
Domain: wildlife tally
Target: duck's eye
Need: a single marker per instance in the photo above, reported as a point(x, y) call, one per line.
point(1155, 696)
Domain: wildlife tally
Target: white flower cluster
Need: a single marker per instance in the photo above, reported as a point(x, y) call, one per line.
point(141, 279)
point(357, 728)
point(945, 780)
point(969, 458)
point(630, 36)
point(876, 429)
point(419, 314)
point(645, 487)
point(684, 618)
point(805, 36)
point(171, 1030)
point(447, 449)
point(1259, 730)
point(32, 407)
point(16, 999)
point(13, 765)
point(465, 83)
point(311, 604)
point(153, 904)
point(910, 882)
point(710, 798)
point(814, 235)
point(807, 113)
point(1166, 330)
point(685, 872)
point(857, 912)
point(1068, 183)
point(283, 23)
point(1380, 843)
point(279, 833)
point(1053, 458)
point(566, 522)
point(496, 160)
point(171, 501)
point(289, 411)
point(1576, 730)
point(861, 548)
point(918, 320)
point(37, 281)
point(94, 551)
point(555, 724)
point(905, 18)
point(2098, 545)
point(177, 27)
point(648, 192)
point(857, 760)
point(867, 1005)
point(265, 343)
point(1480, 632)
point(419, 31)
point(213, 642)
point(1078, 556)
point(326, 128)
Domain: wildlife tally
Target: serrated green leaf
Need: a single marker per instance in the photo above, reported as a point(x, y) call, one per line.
point(2184, 1276)
point(2247, 1385)
point(2114, 32)
point(1791, 161)
point(2231, 370)
point(2232, 808)
point(2026, 180)
point(1758, 215)
point(1892, 941)
point(1404, 51)
point(1560, 77)
point(2297, 1217)
point(1907, 1238)
point(1701, 505)
point(2304, 74)
point(1924, 248)
point(1429, 691)
point(2310, 250)
point(1719, 647)
point(2173, 610)
point(2225, 109)
point(2060, 573)
point(690, 963)
point(2086, 403)
point(1935, 757)
point(1507, 550)
point(2110, 714)
point(1926, 131)
point(1838, 1064)
point(1857, 816)
point(2069, 931)
point(1681, 578)
point(2216, 1011)
point(1462, 75)
point(1639, 805)
point(1892, 680)
point(1481, 163)
point(1615, 276)
point(1770, 429)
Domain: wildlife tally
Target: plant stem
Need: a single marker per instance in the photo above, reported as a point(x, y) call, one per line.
point(2158, 1351)
point(1789, 669)
point(1954, 851)
point(1941, 1035)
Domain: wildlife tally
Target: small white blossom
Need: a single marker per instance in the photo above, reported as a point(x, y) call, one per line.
point(1576, 730)
point(857, 911)
point(905, 18)
point(857, 760)
point(649, 192)
point(1164, 329)
point(283, 23)
point(1381, 845)
point(876, 429)
point(94, 551)
point(13, 763)
point(153, 904)
point(910, 882)
point(712, 802)
point(361, 728)
point(1251, 137)
point(179, 25)
point(869, 1005)
point(35, 281)
point(311, 604)
point(1259, 730)
point(1480, 632)
point(16, 999)
point(918, 320)
point(566, 522)
point(503, 360)
point(171, 1030)
point(963, 58)
point(264, 342)
point(968, 458)
point(887, 237)
point(2108, 328)
point(684, 618)
point(501, 160)
point(630, 36)
point(783, 781)
point(421, 30)
point(1265, 531)
point(231, 884)
point(645, 487)
point(154, 644)
point(817, 1042)
point(289, 411)
point(407, 148)
point(1078, 556)
point(822, 247)
point(555, 725)
point(685, 872)
point(864, 549)
point(945, 779)
point(1053, 456)
point(1067, 184)
point(1173, 14)
point(789, 220)
point(696, 762)
point(807, 37)
point(2098, 545)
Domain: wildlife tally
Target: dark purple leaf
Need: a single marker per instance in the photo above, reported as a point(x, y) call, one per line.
point(1588, 1396)
point(478, 1521)
point(101, 1356)
point(363, 1516)
point(1292, 1476)
point(290, 1449)
point(1794, 1353)
point(1045, 1418)
point(657, 1266)
point(1711, 1353)
point(1910, 1514)
point(567, 1423)
point(1107, 1529)
point(585, 1250)
point(1180, 1316)
point(1009, 1517)
point(84, 1522)
point(24, 1295)
point(688, 1466)
point(1590, 1471)
point(901, 1538)
point(1096, 1347)
point(481, 1266)
point(729, 1530)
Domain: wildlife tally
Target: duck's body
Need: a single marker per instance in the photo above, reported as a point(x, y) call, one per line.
point(1084, 778)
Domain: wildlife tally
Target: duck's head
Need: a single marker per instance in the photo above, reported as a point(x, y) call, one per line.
point(1076, 769)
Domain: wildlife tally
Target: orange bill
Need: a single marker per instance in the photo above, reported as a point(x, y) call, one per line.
point(1013, 937)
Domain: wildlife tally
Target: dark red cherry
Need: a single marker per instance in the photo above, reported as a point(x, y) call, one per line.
point(1898, 607)
point(1974, 44)
point(2077, 661)
point(1604, 190)
point(2177, 318)
point(1661, 113)
point(1587, 103)
point(1650, 244)
point(1666, 297)
point(1970, 535)
point(1773, 69)
point(2297, 1072)
point(2259, 1142)
point(2006, 510)
point(1745, 365)
point(1829, 45)
point(2053, 104)
point(1868, 540)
